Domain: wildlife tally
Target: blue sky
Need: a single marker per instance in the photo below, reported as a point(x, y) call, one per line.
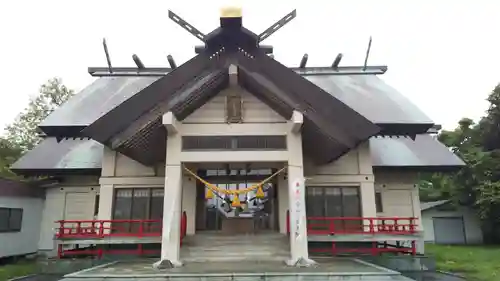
point(442, 55)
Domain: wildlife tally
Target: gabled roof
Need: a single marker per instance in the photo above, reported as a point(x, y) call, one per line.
point(335, 118)
point(134, 125)
point(384, 105)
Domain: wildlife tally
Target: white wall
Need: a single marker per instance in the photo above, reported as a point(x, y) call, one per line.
point(400, 198)
point(399, 194)
point(25, 241)
point(74, 199)
point(352, 169)
point(254, 111)
point(472, 224)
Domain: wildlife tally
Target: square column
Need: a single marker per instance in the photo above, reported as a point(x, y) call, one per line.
point(172, 206)
point(296, 195)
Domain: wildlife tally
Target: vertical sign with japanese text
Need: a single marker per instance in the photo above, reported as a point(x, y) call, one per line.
point(298, 186)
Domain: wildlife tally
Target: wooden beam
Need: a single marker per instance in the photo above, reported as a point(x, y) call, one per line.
point(297, 121)
point(155, 114)
point(120, 118)
point(170, 123)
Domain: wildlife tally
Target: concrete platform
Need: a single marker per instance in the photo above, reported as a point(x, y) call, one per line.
point(328, 269)
point(110, 240)
point(362, 237)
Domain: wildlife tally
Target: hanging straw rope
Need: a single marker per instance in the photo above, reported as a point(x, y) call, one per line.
point(219, 190)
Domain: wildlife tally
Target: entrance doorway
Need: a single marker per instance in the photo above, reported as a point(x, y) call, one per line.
point(254, 215)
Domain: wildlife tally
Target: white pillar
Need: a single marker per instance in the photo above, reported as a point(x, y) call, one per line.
point(296, 195)
point(283, 202)
point(367, 186)
point(172, 206)
point(189, 202)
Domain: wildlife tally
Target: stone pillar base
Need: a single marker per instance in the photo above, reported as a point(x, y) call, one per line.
point(166, 264)
point(302, 262)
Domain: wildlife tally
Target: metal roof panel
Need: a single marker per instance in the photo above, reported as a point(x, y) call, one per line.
point(371, 97)
point(66, 154)
point(424, 151)
point(96, 100)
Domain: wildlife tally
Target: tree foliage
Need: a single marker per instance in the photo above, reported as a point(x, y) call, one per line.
point(22, 135)
point(478, 183)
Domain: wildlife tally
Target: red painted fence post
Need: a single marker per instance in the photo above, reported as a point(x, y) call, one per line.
point(141, 228)
point(101, 228)
point(61, 229)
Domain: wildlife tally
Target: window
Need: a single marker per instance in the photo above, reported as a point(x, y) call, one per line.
point(11, 219)
point(233, 143)
point(334, 202)
point(378, 202)
point(137, 204)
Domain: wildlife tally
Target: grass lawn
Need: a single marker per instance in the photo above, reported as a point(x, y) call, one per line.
point(21, 268)
point(475, 262)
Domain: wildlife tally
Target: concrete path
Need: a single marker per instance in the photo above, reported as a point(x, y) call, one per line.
point(328, 269)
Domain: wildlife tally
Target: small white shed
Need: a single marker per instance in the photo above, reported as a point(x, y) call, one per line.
point(445, 223)
point(21, 208)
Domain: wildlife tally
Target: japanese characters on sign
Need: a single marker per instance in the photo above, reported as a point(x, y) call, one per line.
point(298, 186)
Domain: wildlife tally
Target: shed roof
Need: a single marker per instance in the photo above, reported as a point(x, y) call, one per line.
point(52, 156)
point(69, 155)
point(403, 152)
point(429, 205)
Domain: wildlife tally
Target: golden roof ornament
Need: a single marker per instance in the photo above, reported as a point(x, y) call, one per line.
point(231, 12)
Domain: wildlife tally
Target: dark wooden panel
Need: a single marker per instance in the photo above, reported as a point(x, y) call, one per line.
point(133, 108)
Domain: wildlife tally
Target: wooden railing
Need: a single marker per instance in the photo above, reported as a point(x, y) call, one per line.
point(97, 229)
point(358, 225)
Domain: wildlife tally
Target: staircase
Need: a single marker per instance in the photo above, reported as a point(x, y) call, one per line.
point(221, 248)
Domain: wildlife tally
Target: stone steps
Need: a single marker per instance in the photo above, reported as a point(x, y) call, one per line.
point(218, 248)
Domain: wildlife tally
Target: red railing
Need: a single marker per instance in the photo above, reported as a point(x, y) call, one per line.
point(358, 225)
point(375, 249)
point(108, 228)
point(96, 229)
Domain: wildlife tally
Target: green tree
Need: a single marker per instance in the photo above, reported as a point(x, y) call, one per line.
point(8, 155)
point(23, 135)
point(478, 183)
